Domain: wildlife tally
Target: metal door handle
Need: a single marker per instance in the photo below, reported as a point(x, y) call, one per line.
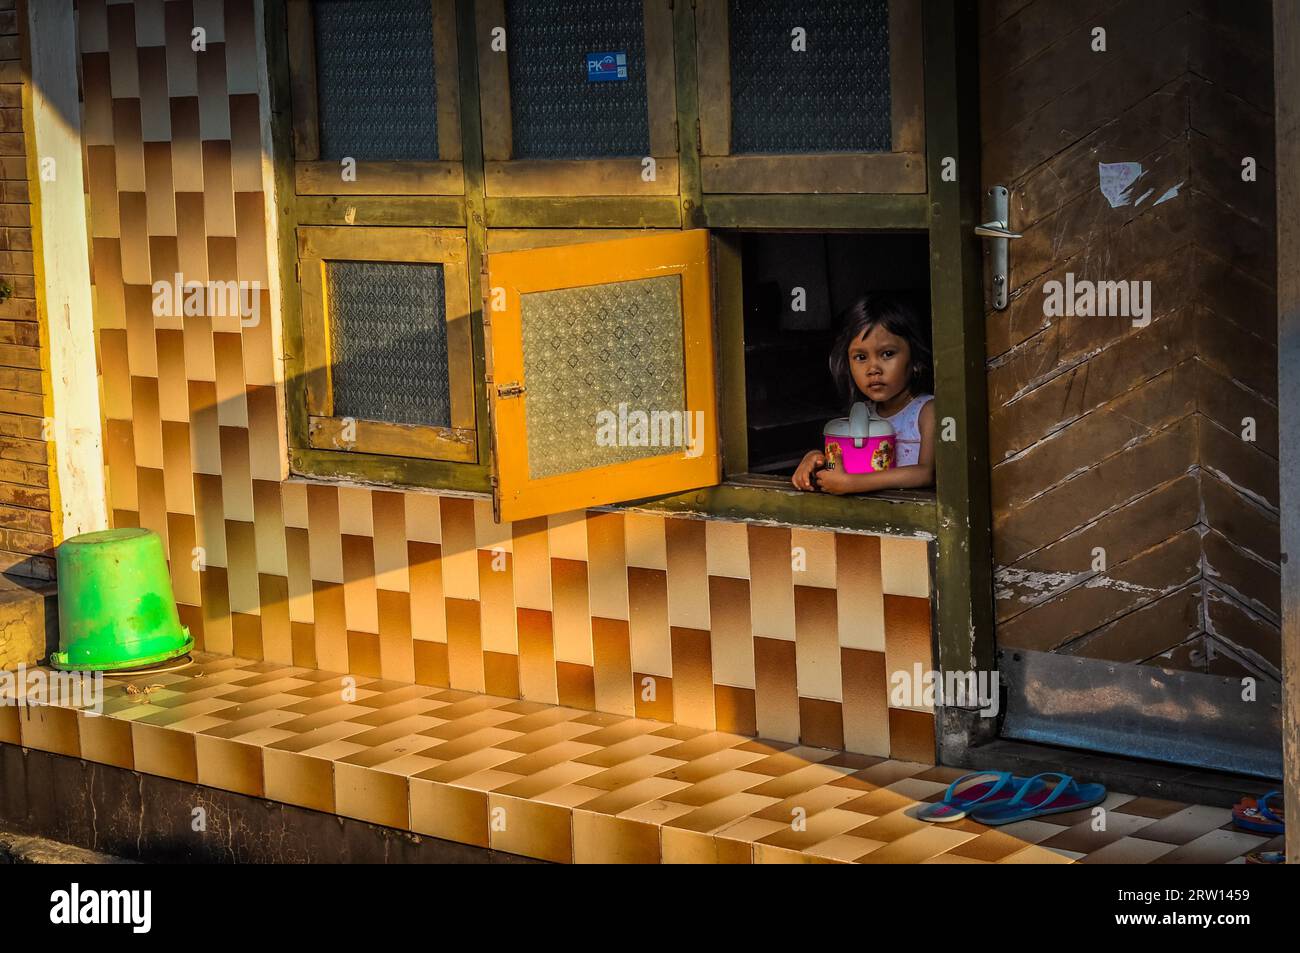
point(996, 230)
point(997, 203)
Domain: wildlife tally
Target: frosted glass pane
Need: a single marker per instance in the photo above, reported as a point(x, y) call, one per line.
point(588, 350)
point(556, 111)
point(388, 341)
point(375, 79)
point(833, 96)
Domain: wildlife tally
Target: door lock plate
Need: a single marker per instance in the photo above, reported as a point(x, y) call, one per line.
point(997, 203)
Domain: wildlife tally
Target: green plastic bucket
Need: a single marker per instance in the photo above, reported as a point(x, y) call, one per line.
point(116, 608)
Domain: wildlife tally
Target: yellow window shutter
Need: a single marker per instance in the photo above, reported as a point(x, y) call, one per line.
point(602, 372)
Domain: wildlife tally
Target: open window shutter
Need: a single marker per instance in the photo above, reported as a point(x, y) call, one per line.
point(602, 381)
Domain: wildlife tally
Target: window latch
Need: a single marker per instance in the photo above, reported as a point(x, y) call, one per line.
point(513, 389)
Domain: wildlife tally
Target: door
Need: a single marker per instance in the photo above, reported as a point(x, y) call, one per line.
point(588, 410)
point(1132, 379)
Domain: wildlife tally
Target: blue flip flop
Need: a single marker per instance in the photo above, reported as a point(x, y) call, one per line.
point(996, 787)
point(1036, 798)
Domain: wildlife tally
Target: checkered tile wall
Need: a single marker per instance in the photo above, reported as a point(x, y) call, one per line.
point(785, 633)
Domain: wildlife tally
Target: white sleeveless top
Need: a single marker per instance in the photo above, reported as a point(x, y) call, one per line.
point(907, 430)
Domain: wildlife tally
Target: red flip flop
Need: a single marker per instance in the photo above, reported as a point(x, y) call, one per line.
point(1260, 816)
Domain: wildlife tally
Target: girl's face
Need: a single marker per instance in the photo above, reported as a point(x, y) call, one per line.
point(881, 365)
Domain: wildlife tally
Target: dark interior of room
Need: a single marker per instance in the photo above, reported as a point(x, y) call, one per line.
point(789, 394)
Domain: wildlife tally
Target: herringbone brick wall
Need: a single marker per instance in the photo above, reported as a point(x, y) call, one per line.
point(1152, 447)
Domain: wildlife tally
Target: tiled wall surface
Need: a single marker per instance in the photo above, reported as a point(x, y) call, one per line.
point(788, 634)
point(26, 533)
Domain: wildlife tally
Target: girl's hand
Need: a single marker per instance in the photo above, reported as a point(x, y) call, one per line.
point(838, 482)
point(802, 478)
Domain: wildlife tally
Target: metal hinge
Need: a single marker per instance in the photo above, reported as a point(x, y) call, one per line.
point(297, 271)
point(485, 289)
point(699, 140)
point(513, 389)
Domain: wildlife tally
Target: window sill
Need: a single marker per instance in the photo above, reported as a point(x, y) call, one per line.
point(771, 499)
point(404, 473)
point(746, 497)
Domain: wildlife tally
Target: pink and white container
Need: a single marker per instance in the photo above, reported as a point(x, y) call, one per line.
point(860, 442)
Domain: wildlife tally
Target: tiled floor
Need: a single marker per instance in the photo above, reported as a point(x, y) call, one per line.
point(569, 785)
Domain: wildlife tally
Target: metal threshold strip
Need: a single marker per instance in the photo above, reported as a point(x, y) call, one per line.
point(1142, 711)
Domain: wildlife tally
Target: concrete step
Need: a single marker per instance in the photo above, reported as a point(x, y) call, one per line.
point(29, 626)
point(26, 849)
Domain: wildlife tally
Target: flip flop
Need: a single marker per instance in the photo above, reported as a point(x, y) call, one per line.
point(996, 787)
point(1255, 815)
point(1036, 799)
point(1266, 857)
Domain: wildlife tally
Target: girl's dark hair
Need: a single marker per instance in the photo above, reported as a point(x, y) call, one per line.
point(897, 317)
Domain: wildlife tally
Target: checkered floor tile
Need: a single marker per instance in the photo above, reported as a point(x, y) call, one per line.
point(568, 785)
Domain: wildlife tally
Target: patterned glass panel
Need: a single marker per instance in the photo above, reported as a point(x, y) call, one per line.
point(832, 97)
point(388, 341)
point(375, 80)
point(588, 350)
point(556, 112)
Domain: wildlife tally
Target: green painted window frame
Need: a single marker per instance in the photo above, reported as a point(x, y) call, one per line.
point(738, 497)
point(316, 176)
point(371, 215)
point(320, 245)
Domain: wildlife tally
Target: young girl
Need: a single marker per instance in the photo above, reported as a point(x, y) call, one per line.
point(882, 357)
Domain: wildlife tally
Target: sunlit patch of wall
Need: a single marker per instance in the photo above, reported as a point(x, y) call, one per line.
point(786, 633)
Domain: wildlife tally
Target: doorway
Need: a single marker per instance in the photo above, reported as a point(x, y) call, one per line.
point(1133, 454)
